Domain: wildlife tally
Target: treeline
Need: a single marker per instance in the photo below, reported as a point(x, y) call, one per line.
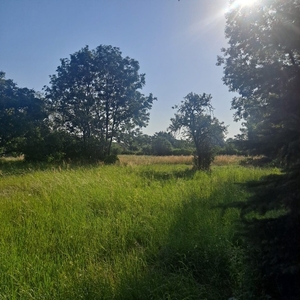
point(93, 99)
point(93, 109)
point(161, 144)
point(35, 125)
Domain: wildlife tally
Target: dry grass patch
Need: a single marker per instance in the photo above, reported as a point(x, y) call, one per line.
point(12, 159)
point(222, 160)
point(154, 160)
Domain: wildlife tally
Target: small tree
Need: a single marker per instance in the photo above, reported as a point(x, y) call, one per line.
point(194, 117)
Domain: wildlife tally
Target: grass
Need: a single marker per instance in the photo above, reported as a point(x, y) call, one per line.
point(175, 160)
point(137, 230)
point(154, 160)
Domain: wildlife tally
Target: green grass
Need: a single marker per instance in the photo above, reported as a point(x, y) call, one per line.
point(120, 232)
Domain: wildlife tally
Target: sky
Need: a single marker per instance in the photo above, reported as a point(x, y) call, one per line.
point(175, 42)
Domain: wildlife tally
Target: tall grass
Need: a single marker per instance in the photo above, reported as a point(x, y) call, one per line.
point(154, 160)
point(186, 160)
point(133, 231)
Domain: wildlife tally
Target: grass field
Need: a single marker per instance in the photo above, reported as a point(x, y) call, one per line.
point(142, 229)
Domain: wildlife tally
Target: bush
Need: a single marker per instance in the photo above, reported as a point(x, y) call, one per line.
point(161, 146)
point(111, 159)
point(185, 152)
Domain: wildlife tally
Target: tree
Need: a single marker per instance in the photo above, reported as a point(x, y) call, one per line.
point(95, 95)
point(131, 141)
point(262, 64)
point(21, 112)
point(162, 143)
point(229, 148)
point(194, 117)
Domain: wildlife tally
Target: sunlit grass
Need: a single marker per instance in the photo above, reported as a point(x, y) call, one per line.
point(130, 231)
point(221, 160)
point(186, 160)
point(154, 160)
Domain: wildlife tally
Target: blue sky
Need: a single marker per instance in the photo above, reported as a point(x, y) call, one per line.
point(175, 42)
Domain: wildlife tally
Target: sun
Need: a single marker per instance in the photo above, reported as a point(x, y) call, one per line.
point(241, 3)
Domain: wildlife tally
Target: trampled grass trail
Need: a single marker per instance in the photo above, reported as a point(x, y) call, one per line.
point(121, 232)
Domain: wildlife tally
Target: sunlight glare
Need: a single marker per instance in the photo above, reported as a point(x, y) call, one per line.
point(241, 3)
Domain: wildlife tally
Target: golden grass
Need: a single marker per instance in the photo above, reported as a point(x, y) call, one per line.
point(125, 160)
point(220, 160)
point(152, 160)
point(11, 158)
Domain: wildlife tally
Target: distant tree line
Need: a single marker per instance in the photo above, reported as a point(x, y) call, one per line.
point(93, 109)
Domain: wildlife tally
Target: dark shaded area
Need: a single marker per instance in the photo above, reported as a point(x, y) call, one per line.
point(196, 261)
point(258, 162)
point(206, 261)
point(270, 232)
point(22, 167)
point(188, 173)
point(262, 64)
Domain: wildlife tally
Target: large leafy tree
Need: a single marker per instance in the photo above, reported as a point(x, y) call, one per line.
point(21, 113)
point(95, 95)
point(195, 121)
point(262, 64)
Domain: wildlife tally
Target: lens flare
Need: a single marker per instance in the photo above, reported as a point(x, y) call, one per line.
point(241, 3)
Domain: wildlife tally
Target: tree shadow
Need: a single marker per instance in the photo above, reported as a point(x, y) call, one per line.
point(194, 262)
point(22, 167)
point(187, 173)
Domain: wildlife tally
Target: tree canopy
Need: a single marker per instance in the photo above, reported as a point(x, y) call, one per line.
point(262, 64)
point(21, 112)
point(95, 95)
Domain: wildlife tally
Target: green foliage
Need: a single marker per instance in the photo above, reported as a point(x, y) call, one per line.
point(133, 141)
point(231, 147)
point(182, 151)
point(21, 113)
point(205, 131)
point(270, 225)
point(95, 95)
point(164, 143)
point(161, 145)
point(262, 64)
point(111, 159)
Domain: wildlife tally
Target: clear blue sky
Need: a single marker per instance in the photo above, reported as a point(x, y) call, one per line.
point(175, 42)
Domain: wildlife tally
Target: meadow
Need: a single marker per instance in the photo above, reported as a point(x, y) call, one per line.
point(145, 228)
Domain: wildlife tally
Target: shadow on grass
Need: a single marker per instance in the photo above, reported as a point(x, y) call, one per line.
point(187, 173)
point(22, 167)
point(195, 261)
